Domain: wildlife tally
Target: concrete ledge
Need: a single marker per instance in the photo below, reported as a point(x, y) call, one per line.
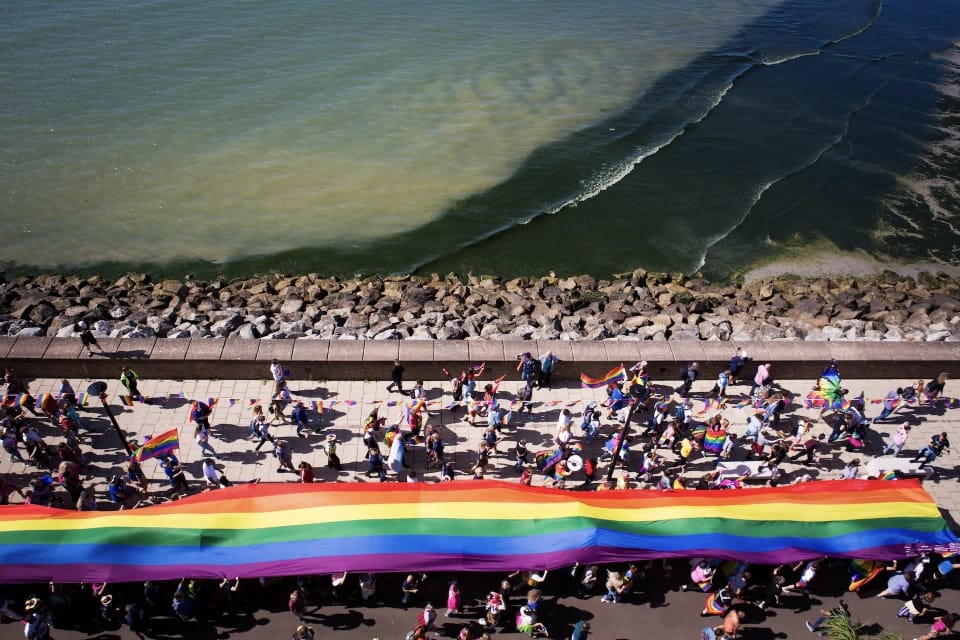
point(217, 358)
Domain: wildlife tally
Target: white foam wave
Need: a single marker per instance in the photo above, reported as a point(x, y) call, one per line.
point(716, 102)
point(787, 58)
point(869, 24)
point(615, 174)
point(757, 195)
point(765, 186)
point(927, 186)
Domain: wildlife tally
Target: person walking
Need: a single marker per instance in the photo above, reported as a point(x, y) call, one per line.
point(396, 378)
point(687, 378)
point(548, 362)
point(200, 414)
point(810, 448)
point(210, 475)
point(330, 449)
point(263, 432)
point(898, 441)
point(838, 612)
point(934, 449)
point(410, 588)
point(527, 366)
point(890, 403)
point(88, 340)
point(129, 379)
point(284, 456)
point(278, 375)
point(201, 436)
point(301, 419)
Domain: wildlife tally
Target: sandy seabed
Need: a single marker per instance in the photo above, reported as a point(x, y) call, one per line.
point(833, 262)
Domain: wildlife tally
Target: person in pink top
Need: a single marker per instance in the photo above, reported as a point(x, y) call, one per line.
point(761, 377)
point(899, 439)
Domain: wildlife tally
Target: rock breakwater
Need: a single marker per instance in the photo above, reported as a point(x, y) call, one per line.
point(632, 306)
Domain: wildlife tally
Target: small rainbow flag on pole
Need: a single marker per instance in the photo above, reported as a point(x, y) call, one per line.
point(158, 445)
point(614, 375)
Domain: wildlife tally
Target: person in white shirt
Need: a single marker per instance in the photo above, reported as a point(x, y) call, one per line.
point(210, 473)
point(276, 370)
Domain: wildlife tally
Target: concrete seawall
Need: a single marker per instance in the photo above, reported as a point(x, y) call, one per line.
point(235, 358)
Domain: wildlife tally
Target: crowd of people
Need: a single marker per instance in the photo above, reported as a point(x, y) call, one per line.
point(646, 435)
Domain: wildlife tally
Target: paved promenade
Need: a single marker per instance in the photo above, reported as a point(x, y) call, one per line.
point(346, 404)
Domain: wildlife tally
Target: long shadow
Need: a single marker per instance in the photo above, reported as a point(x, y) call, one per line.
point(132, 354)
point(318, 392)
point(351, 619)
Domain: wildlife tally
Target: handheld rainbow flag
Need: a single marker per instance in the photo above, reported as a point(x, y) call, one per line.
point(713, 440)
point(297, 529)
point(159, 445)
point(863, 571)
point(506, 418)
point(614, 375)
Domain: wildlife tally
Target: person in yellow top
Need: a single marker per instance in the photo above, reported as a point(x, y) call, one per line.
point(687, 448)
point(129, 378)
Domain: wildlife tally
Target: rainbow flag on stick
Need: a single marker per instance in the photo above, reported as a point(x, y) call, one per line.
point(158, 445)
point(614, 375)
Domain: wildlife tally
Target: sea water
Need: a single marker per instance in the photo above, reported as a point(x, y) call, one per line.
point(505, 137)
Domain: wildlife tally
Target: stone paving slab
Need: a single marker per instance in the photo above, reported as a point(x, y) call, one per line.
point(353, 400)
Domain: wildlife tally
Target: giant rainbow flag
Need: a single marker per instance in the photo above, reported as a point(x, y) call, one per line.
point(292, 529)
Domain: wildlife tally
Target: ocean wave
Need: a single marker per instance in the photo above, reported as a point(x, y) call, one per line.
point(606, 179)
point(931, 188)
point(760, 57)
point(925, 189)
point(866, 26)
point(757, 195)
point(788, 57)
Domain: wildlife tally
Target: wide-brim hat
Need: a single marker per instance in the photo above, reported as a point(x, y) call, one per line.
point(331, 437)
point(107, 599)
point(32, 603)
